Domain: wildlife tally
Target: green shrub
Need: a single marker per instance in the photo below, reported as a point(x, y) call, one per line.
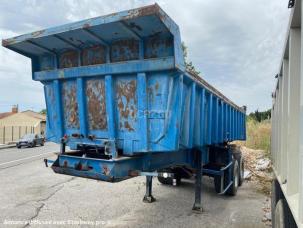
point(258, 135)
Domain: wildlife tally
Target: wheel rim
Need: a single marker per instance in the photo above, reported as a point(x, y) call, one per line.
point(242, 170)
point(236, 178)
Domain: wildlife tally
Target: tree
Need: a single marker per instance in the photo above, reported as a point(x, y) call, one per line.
point(188, 64)
point(43, 111)
point(260, 116)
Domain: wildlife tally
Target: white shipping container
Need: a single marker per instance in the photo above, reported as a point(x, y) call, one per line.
point(287, 129)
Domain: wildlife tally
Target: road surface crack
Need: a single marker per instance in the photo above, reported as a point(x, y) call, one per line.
point(41, 202)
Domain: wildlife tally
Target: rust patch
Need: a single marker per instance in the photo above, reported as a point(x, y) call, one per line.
point(9, 41)
point(157, 86)
point(153, 91)
point(148, 10)
point(127, 103)
point(86, 25)
point(46, 62)
point(65, 163)
point(157, 46)
point(94, 55)
point(37, 33)
point(143, 11)
point(51, 99)
point(95, 93)
point(150, 94)
point(69, 94)
point(68, 59)
point(127, 126)
point(133, 173)
point(133, 111)
point(5, 43)
point(124, 50)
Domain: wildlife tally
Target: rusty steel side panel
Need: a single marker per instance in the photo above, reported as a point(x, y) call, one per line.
point(126, 97)
point(124, 50)
point(96, 105)
point(70, 105)
point(94, 55)
point(47, 62)
point(156, 47)
point(145, 105)
point(68, 59)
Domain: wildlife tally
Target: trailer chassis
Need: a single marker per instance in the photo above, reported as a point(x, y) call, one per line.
point(197, 160)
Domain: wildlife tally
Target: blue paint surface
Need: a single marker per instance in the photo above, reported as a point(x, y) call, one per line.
point(120, 80)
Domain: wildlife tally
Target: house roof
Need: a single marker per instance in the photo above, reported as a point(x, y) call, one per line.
point(5, 114)
point(30, 113)
point(35, 115)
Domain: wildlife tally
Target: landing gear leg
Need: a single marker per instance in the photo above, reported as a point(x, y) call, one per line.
point(198, 185)
point(62, 147)
point(148, 198)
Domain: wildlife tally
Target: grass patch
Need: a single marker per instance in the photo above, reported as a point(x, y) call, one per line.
point(258, 135)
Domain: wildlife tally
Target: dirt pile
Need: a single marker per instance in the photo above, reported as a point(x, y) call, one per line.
point(257, 169)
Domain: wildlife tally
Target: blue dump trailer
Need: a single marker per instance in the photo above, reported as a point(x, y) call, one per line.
point(118, 94)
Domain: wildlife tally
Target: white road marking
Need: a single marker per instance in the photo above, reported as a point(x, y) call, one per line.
point(22, 159)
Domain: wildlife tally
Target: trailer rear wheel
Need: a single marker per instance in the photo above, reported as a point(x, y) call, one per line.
point(241, 170)
point(166, 181)
point(283, 216)
point(169, 180)
point(238, 156)
point(235, 178)
point(232, 191)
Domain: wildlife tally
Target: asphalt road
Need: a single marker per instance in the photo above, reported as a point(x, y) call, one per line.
point(32, 193)
point(13, 156)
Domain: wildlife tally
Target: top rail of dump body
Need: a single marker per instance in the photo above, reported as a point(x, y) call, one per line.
point(213, 90)
point(132, 25)
point(136, 24)
point(121, 78)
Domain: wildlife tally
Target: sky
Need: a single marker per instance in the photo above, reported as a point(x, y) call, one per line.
point(237, 45)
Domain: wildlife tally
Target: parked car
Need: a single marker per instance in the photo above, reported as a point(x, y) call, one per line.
point(30, 140)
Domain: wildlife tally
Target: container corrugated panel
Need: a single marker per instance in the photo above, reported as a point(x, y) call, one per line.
point(121, 78)
point(287, 121)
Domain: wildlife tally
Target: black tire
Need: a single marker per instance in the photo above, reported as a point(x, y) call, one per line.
point(167, 181)
point(233, 188)
point(19, 147)
point(276, 195)
point(42, 144)
point(232, 191)
point(241, 170)
point(283, 216)
point(238, 156)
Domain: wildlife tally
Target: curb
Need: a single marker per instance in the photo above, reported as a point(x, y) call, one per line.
point(7, 146)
